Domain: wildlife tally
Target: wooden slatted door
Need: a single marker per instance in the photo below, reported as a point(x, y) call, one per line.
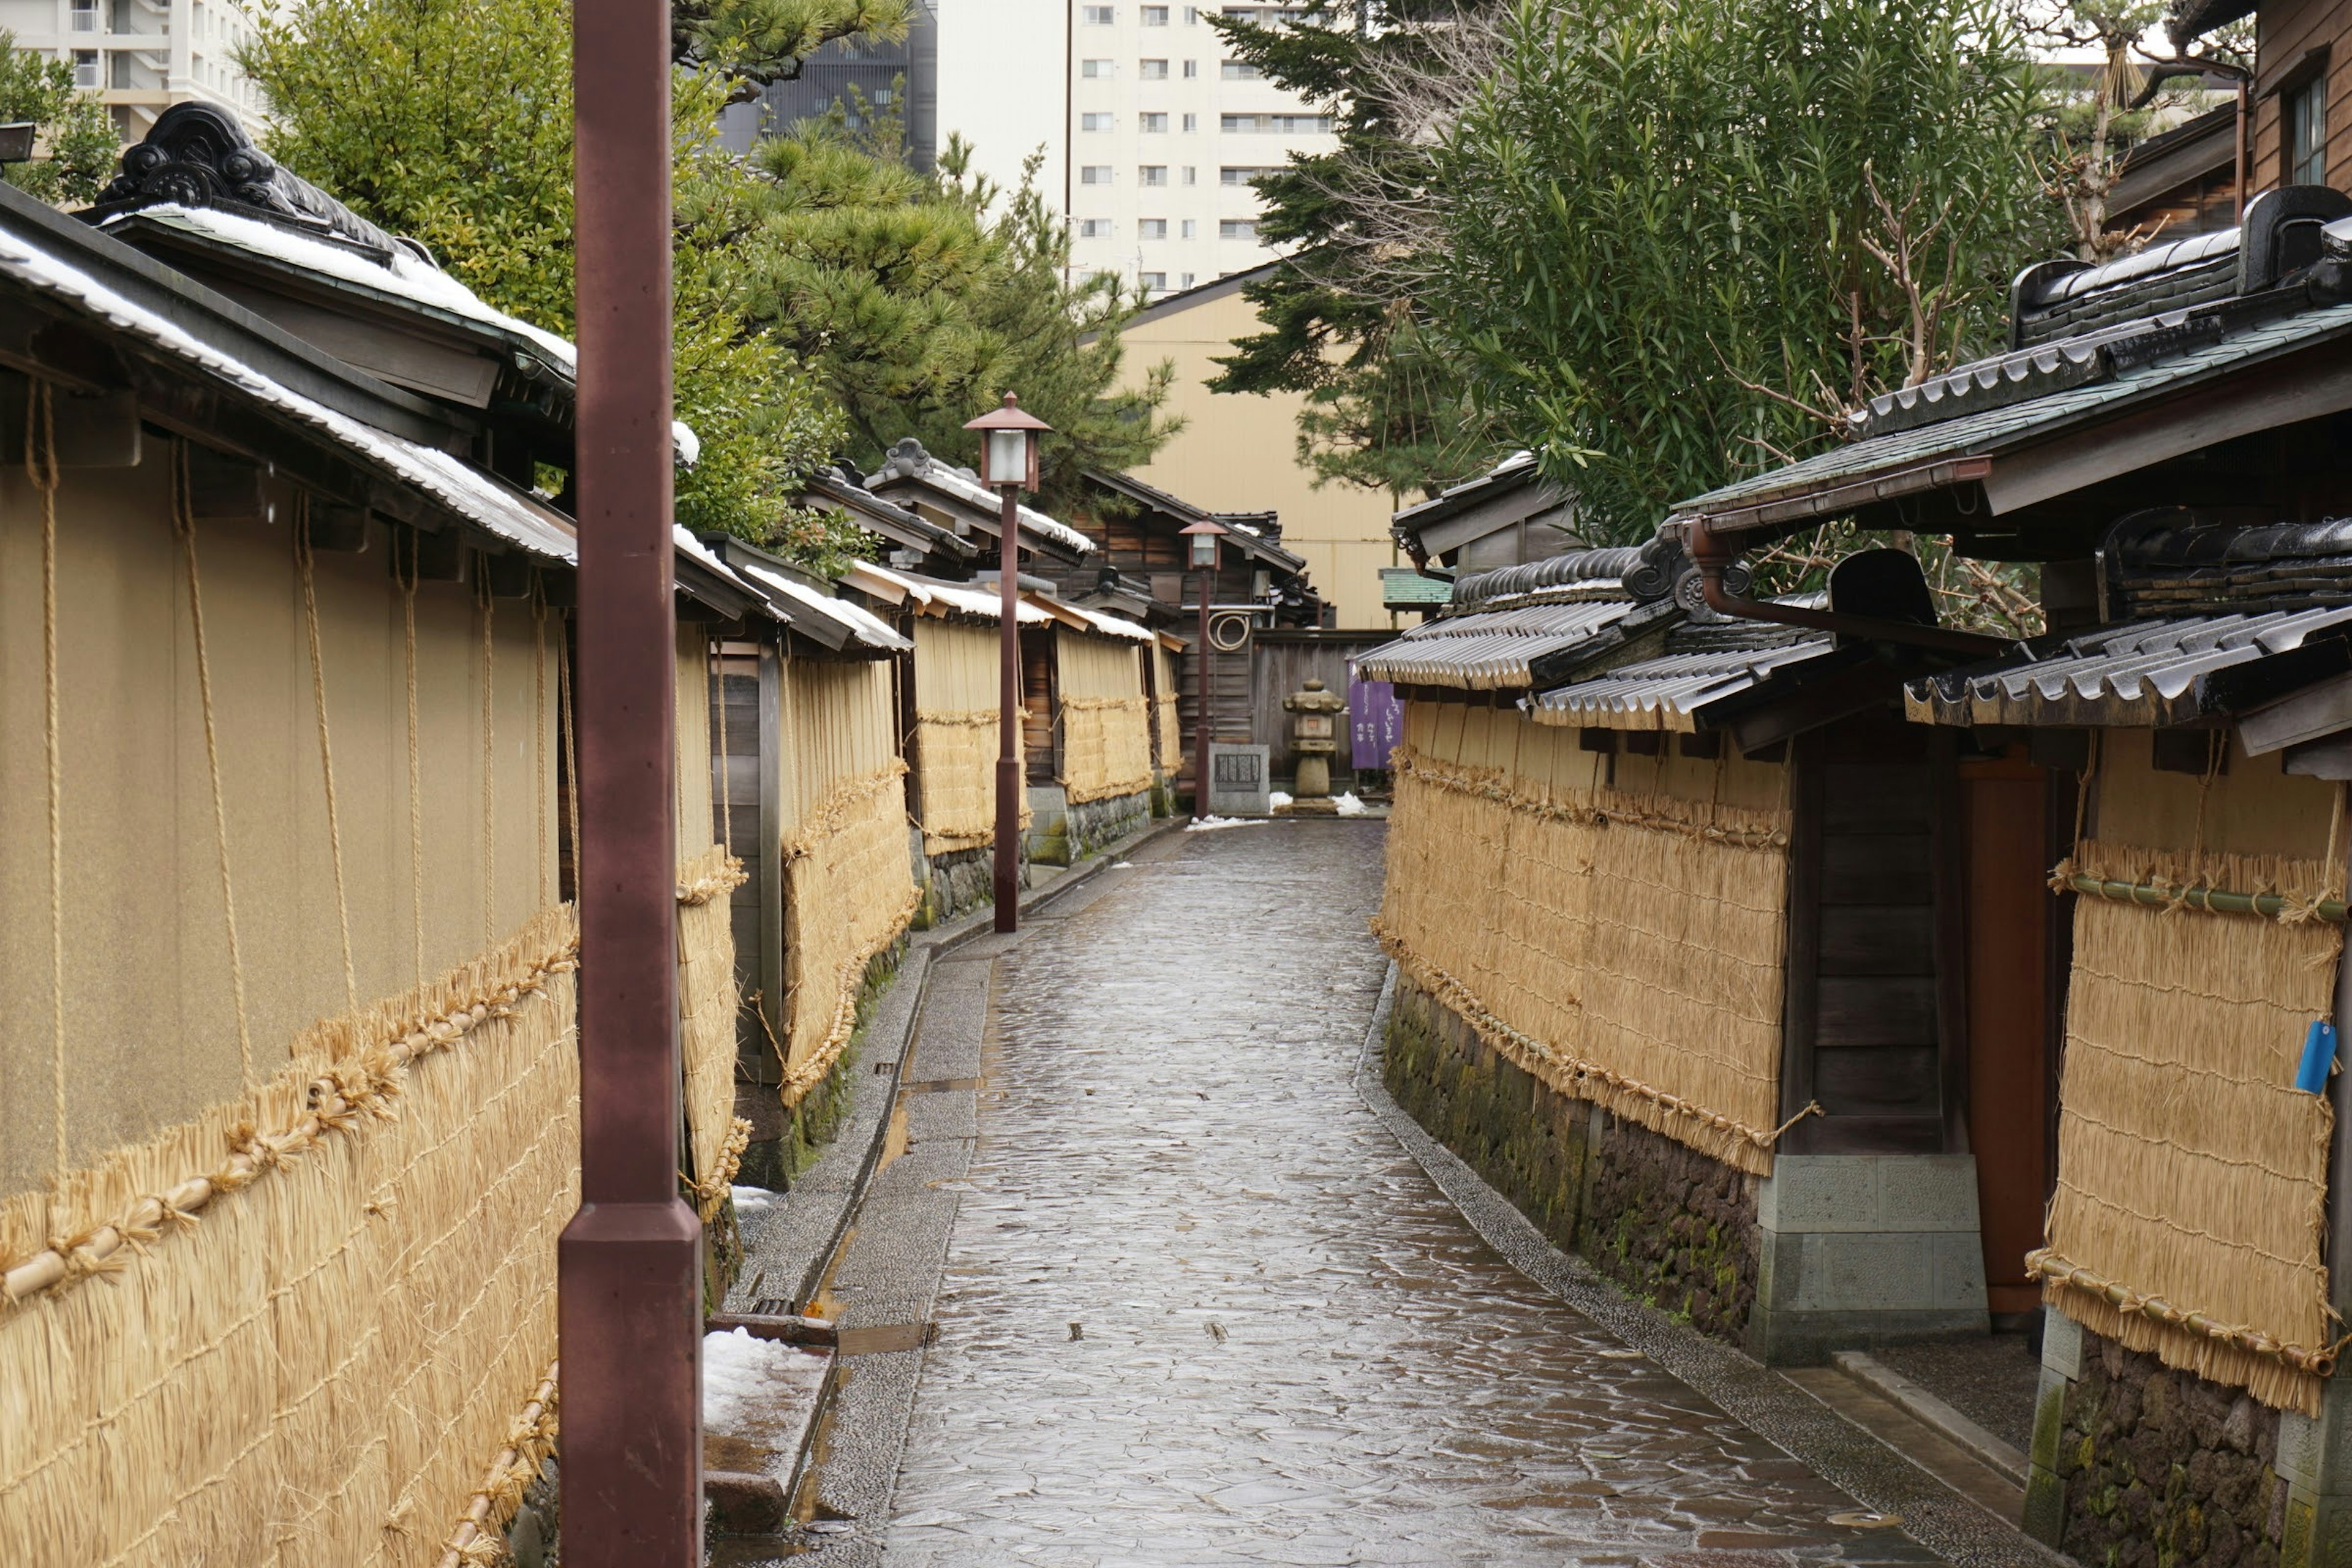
point(1038, 732)
point(1872, 984)
point(2015, 965)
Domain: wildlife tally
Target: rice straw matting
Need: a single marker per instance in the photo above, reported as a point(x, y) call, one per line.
point(2192, 1174)
point(955, 758)
point(708, 1004)
point(1623, 948)
point(1106, 747)
point(326, 1298)
point(849, 890)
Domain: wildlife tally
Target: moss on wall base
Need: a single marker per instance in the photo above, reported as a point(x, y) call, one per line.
point(958, 881)
point(2162, 1467)
point(776, 1163)
point(1670, 1225)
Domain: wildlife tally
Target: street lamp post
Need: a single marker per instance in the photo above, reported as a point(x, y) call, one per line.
point(628, 1305)
point(1008, 463)
point(1204, 535)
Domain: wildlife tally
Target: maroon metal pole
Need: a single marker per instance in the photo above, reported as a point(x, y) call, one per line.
point(1201, 728)
point(1008, 720)
point(629, 1263)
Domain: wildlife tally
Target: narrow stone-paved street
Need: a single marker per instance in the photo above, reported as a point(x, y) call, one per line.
point(1200, 1307)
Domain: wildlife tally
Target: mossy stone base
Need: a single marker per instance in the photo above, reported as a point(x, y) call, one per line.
point(775, 1163)
point(1670, 1225)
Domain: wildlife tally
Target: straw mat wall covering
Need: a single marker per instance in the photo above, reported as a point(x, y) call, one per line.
point(849, 892)
point(324, 1301)
point(1623, 948)
point(2192, 1174)
point(955, 742)
point(1106, 747)
point(707, 1006)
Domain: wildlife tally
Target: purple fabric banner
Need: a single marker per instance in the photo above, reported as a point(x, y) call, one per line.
point(1375, 722)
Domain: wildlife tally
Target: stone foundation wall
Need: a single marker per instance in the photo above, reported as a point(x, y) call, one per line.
point(958, 880)
point(786, 1142)
point(2138, 1466)
point(1670, 1225)
point(1063, 833)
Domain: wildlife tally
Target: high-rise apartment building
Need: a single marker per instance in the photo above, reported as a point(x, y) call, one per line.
point(877, 78)
point(141, 57)
point(1152, 133)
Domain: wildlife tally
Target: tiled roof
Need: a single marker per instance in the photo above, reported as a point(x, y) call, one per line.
point(1670, 691)
point(2142, 673)
point(1997, 430)
point(1488, 650)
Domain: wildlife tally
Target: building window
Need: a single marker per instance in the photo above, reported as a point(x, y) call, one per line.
point(1192, 18)
point(2304, 129)
point(1192, 229)
point(1243, 173)
point(1277, 125)
point(1237, 228)
point(1155, 16)
point(1151, 228)
point(85, 15)
point(1096, 16)
point(1095, 71)
point(1095, 175)
point(1095, 121)
point(1151, 70)
point(1191, 70)
point(1151, 123)
point(1155, 281)
point(85, 64)
point(1192, 123)
point(1094, 227)
point(1186, 281)
point(1152, 174)
point(1239, 70)
point(1191, 174)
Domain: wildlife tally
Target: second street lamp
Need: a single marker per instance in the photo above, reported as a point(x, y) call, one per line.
point(1008, 465)
point(1204, 536)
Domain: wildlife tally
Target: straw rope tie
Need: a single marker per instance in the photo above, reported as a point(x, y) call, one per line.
point(326, 746)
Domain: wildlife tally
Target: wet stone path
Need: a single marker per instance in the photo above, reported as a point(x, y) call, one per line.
point(1200, 1308)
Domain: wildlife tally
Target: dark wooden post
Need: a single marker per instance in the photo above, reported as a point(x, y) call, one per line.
point(1009, 782)
point(1201, 686)
point(629, 1261)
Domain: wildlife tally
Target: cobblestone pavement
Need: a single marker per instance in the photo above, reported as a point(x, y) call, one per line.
point(1201, 1308)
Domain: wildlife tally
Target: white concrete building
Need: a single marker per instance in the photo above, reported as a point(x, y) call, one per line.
point(143, 55)
point(1152, 135)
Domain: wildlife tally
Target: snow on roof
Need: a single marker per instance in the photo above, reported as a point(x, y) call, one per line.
point(961, 597)
point(1110, 626)
point(970, 488)
point(474, 496)
point(866, 626)
point(408, 276)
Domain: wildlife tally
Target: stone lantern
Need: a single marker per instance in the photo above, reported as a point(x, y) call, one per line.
point(1313, 737)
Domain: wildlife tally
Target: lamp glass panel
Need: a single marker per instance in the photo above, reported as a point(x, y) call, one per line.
point(1204, 550)
point(1008, 457)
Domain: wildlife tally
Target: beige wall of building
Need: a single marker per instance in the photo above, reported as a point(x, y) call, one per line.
point(1240, 452)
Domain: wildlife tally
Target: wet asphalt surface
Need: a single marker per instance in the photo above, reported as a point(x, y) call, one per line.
point(1200, 1308)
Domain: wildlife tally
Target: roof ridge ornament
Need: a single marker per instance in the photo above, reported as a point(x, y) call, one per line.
point(198, 154)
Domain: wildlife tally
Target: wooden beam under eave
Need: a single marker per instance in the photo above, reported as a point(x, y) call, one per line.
point(2264, 397)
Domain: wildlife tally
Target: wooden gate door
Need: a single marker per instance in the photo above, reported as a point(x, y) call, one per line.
point(2011, 1013)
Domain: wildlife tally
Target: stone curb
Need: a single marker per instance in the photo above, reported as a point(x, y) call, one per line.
point(1931, 1412)
point(1767, 1403)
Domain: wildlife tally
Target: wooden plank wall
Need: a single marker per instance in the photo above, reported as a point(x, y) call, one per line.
point(2286, 32)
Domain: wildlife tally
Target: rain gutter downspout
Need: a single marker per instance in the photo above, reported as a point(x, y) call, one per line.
point(1711, 553)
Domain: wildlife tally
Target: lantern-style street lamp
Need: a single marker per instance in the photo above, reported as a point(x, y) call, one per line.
point(1008, 465)
point(1204, 536)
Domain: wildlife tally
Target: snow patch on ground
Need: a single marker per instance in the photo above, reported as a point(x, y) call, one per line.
point(749, 1199)
point(742, 1378)
point(1277, 799)
point(1350, 806)
point(1211, 824)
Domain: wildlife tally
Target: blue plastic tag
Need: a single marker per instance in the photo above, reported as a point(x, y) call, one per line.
point(2318, 1057)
